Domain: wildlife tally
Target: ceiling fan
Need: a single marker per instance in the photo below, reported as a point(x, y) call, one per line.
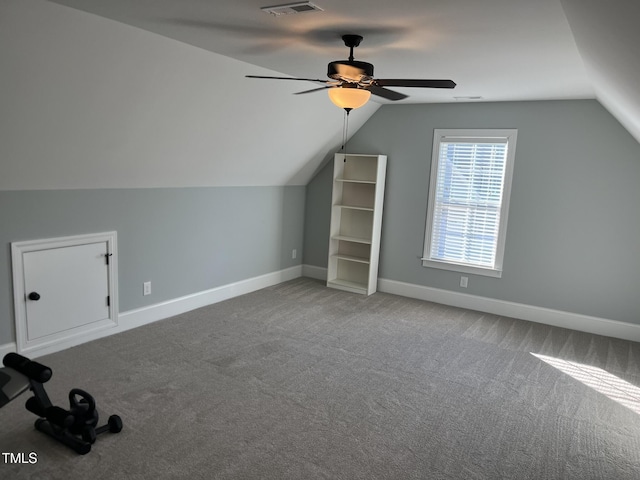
point(352, 81)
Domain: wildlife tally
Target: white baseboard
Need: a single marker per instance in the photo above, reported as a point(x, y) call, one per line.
point(548, 316)
point(311, 271)
point(7, 348)
point(159, 311)
point(557, 318)
point(152, 313)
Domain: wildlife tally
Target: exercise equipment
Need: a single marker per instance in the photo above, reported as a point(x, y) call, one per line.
point(76, 427)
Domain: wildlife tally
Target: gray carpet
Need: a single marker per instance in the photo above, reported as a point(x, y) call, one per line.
point(298, 381)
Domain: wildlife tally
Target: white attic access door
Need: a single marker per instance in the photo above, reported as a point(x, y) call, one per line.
point(64, 289)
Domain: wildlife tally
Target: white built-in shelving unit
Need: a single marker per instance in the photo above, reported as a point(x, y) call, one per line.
point(356, 221)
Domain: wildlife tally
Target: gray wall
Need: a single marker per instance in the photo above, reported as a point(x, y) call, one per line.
point(573, 238)
point(95, 110)
point(184, 240)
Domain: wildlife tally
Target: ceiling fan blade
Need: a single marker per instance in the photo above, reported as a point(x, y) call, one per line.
point(385, 93)
point(397, 82)
point(314, 90)
point(288, 78)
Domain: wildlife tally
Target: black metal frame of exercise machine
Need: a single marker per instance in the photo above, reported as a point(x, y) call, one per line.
point(76, 428)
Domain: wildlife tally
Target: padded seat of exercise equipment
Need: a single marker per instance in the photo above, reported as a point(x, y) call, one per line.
point(76, 427)
point(12, 384)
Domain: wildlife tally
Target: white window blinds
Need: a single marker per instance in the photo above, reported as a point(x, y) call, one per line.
point(470, 176)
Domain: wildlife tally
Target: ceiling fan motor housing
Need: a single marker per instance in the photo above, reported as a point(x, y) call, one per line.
point(344, 69)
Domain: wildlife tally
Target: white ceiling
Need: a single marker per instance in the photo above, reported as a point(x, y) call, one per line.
point(113, 105)
point(495, 49)
point(608, 37)
point(498, 50)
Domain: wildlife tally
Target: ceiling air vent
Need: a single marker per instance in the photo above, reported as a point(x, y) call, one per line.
point(290, 8)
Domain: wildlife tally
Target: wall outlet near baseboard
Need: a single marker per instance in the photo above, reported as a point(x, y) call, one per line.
point(146, 288)
point(294, 253)
point(464, 281)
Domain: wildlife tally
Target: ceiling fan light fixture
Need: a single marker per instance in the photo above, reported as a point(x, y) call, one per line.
point(348, 97)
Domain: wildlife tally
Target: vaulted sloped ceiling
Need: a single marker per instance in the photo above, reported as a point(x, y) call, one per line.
point(494, 49)
point(86, 102)
point(132, 93)
point(608, 37)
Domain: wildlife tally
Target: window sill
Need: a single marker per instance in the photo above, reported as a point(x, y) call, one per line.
point(455, 267)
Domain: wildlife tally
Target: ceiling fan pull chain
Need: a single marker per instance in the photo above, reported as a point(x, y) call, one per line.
point(345, 131)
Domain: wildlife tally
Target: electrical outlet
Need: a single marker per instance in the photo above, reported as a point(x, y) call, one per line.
point(464, 281)
point(294, 253)
point(146, 288)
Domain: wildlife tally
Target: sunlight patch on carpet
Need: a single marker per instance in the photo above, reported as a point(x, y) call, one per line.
point(600, 380)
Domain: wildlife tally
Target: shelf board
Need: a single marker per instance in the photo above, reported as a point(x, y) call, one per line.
point(354, 287)
point(353, 207)
point(350, 180)
point(351, 258)
point(352, 239)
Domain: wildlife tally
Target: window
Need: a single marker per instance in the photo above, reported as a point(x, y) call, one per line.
point(469, 200)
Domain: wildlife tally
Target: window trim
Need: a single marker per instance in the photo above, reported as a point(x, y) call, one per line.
point(510, 135)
